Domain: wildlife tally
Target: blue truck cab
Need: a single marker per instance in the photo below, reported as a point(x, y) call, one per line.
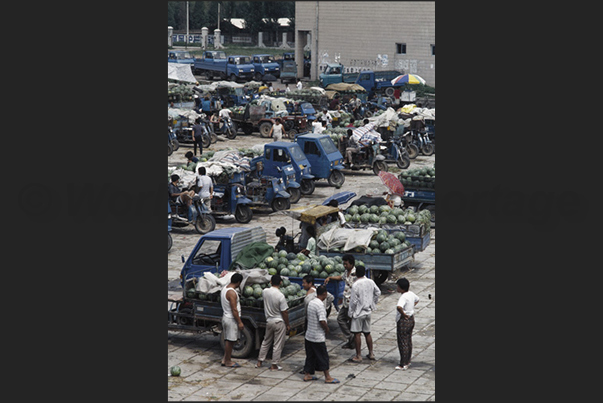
point(216, 250)
point(288, 157)
point(239, 67)
point(323, 155)
point(265, 64)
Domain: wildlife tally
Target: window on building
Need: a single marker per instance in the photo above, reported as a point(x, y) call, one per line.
point(433, 50)
point(401, 48)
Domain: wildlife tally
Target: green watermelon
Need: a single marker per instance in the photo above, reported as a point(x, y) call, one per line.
point(374, 244)
point(391, 219)
point(273, 264)
point(248, 291)
point(384, 246)
point(283, 290)
point(411, 218)
point(306, 267)
point(285, 271)
point(291, 290)
point(283, 260)
point(385, 207)
point(282, 253)
point(314, 273)
point(262, 265)
point(191, 293)
point(257, 293)
point(348, 217)
point(395, 242)
point(374, 209)
point(317, 267)
point(374, 218)
point(389, 252)
point(365, 217)
point(323, 274)
point(368, 250)
point(383, 220)
point(356, 217)
point(301, 256)
point(381, 237)
point(352, 210)
point(359, 263)
point(329, 268)
point(362, 209)
point(291, 256)
point(272, 271)
point(175, 370)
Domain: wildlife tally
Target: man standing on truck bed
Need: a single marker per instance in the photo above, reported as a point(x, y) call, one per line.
point(231, 319)
point(277, 323)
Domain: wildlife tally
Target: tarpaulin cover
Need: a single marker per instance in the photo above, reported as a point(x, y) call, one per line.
point(345, 87)
point(345, 238)
point(180, 72)
point(252, 255)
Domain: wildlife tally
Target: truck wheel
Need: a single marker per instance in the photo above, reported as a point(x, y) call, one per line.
point(379, 276)
point(389, 92)
point(204, 224)
point(258, 76)
point(265, 129)
point(280, 203)
point(208, 75)
point(243, 214)
point(307, 186)
point(244, 346)
point(379, 166)
point(170, 149)
point(233, 78)
point(295, 194)
point(169, 241)
point(336, 178)
point(291, 133)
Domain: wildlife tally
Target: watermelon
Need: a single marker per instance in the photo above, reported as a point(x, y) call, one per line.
point(359, 263)
point(356, 217)
point(285, 272)
point(314, 273)
point(381, 237)
point(365, 217)
point(353, 210)
point(282, 253)
point(191, 293)
point(283, 290)
point(411, 218)
point(248, 291)
point(301, 256)
point(368, 250)
point(374, 244)
point(286, 282)
point(374, 209)
point(391, 219)
point(262, 265)
point(338, 259)
point(291, 290)
point(348, 217)
point(175, 370)
point(385, 207)
point(389, 252)
point(384, 214)
point(374, 218)
point(329, 268)
point(306, 267)
point(263, 285)
point(202, 296)
point(283, 260)
point(272, 271)
point(362, 209)
point(395, 242)
point(257, 293)
point(397, 211)
point(323, 274)
point(384, 246)
point(317, 267)
point(383, 220)
point(339, 267)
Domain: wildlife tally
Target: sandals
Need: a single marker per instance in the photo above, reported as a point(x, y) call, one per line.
point(278, 368)
point(311, 379)
point(353, 359)
point(404, 368)
point(235, 365)
point(371, 358)
point(335, 380)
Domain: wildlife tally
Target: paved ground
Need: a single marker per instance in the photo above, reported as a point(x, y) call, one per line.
point(199, 355)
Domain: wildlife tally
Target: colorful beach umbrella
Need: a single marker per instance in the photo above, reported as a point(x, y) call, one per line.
point(408, 79)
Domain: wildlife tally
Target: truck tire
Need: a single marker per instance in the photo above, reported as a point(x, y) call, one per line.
point(295, 194)
point(336, 178)
point(291, 133)
point(280, 203)
point(233, 78)
point(258, 76)
point(265, 129)
point(245, 345)
point(389, 92)
point(243, 214)
point(307, 186)
point(170, 242)
point(170, 149)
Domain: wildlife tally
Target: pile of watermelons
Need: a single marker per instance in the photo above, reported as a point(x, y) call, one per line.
point(382, 242)
point(418, 178)
point(382, 215)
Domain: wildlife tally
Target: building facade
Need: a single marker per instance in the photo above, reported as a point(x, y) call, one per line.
point(363, 35)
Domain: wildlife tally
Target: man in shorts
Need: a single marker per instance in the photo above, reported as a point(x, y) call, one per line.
point(231, 318)
point(363, 300)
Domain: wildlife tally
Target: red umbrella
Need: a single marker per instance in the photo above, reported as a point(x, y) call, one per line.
point(392, 182)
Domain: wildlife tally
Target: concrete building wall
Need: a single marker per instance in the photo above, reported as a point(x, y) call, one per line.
point(363, 35)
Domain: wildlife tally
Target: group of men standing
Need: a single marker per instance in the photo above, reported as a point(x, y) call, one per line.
point(361, 295)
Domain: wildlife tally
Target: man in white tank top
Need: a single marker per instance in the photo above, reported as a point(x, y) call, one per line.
point(231, 318)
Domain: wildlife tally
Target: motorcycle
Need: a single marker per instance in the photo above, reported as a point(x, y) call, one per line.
point(203, 221)
point(395, 151)
point(411, 148)
point(228, 128)
point(173, 139)
point(422, 142)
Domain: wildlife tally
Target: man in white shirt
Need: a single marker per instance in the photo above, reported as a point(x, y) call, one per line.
point(276, 311)
point(205, 186)
point(363, 301)
point(317, 356)
point(405, 321)
point(299, 84)
point(232, 324)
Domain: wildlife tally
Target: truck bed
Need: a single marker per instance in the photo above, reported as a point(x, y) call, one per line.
point(380, 261)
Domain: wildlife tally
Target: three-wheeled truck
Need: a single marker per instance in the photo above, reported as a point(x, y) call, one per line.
point(325, 159)
point(214, 252)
